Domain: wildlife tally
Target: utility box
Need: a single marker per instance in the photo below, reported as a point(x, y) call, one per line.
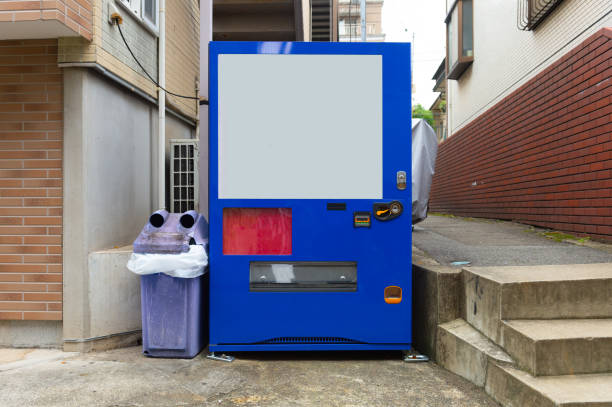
point(310, 226)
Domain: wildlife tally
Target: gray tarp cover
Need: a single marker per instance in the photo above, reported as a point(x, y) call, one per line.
point(424, 150)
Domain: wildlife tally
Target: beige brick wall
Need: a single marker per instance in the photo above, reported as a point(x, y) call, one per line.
point(31, 127)
point(74, 14)
point(182, 51)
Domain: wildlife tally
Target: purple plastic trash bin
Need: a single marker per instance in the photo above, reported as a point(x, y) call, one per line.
point(173, 315)
point(172, 233)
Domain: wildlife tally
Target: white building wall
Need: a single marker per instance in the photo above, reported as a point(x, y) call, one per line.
point(506, 57)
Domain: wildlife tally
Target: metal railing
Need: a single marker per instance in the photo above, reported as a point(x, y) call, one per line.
point(532, 12)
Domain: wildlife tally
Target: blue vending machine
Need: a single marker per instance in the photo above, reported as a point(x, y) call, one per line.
point(310, 211)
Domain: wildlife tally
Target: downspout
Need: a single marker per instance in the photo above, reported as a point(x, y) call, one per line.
point(161, 97)
point(362, 11)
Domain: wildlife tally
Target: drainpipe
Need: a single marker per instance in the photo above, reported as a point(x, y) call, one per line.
point(362, 11)
point(161, 96)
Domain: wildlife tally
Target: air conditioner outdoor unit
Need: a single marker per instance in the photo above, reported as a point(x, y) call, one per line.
point(183, 175)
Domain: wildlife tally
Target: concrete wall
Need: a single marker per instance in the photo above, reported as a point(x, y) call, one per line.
point(110, 145)
point(114, 298)
point(505, 57)
point(30, 334)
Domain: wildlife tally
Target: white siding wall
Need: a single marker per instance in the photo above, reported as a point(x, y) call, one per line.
point(506, 57)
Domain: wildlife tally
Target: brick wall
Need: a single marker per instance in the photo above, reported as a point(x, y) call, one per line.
point(541, 156)
point(75, 14)
point(31, 127)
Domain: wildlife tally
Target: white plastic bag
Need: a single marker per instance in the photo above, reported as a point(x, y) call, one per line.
point(184, 265)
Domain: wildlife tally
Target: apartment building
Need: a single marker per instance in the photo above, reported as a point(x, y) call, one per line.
point(529, 124)
point(438, 108)
point(78, 159)
point(349, 20)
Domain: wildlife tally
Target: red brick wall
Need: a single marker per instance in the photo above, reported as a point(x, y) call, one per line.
point(31, 127)
point(541, 156)
point(75, 14)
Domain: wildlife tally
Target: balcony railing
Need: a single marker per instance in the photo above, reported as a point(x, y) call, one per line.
point(532, 12)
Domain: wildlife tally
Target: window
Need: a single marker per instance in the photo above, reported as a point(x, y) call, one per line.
point(353, 29)
point(133, 6)
point(145, 10)
point(350, 27)
point(150, 11)
point(460, 38)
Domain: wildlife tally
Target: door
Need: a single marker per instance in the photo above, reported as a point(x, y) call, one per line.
point(310, 218)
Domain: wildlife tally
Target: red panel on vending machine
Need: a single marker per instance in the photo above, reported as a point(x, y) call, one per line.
point(257, 231)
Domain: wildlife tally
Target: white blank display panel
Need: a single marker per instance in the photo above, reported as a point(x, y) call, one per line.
point(300, 126)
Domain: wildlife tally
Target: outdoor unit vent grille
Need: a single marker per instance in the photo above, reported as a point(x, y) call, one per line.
point(308, 339)
point(532, 12)
point(183, 175)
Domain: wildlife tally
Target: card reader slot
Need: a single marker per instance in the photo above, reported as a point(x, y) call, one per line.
point(336, 206)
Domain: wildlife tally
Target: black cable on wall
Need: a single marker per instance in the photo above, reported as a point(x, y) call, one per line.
point(202, 101)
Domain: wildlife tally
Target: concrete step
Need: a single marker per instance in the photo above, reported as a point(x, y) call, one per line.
point(493, 294)
point(464, 351)
point(560, 346)
point(515, 388)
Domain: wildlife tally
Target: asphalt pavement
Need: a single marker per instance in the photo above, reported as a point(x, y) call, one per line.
point(484, 242)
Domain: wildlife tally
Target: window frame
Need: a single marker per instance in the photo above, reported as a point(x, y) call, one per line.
point(152, 24)
point(136, 9)
point(132, 5)
point(462, 62)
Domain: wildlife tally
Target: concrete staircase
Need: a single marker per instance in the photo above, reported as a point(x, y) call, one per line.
point(534, 335)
